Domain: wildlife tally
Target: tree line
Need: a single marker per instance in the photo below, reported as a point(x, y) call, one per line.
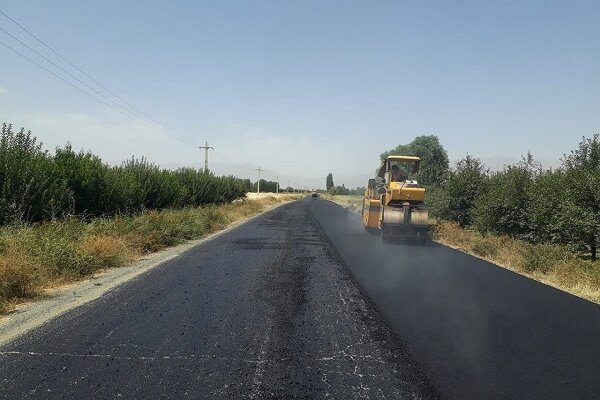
point(36, 185)
point(555, 206)
point(331, 188)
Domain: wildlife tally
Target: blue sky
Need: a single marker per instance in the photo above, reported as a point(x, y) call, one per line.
point(305, 88)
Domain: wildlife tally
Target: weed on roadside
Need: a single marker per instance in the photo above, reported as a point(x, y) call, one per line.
point(34, 257)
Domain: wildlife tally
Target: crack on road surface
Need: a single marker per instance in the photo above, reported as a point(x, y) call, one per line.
point(282, 286)
point(117, 357)
point(266, 312)
point(323, 339)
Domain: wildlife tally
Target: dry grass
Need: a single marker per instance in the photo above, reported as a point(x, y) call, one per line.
point(107, 251)
point(551, 264)
point(281, 196)
point(34, 258)
point(19, 278)
point(353, 203)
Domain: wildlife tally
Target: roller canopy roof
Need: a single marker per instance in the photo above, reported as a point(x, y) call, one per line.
point(417, 160)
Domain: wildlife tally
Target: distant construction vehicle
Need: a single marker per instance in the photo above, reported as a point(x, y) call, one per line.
point(394, 202)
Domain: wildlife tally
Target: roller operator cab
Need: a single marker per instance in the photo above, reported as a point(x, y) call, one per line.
point(394, 203)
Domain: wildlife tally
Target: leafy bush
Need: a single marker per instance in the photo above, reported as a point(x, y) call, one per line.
point(560, 207)
point(338, 190)
point(37, 186)
point(454, 201)
point(582, 205)
point(542, 257)
point(31, 188)
point(504, 208)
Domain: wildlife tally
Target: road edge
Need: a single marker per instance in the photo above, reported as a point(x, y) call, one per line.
point(533, 277)
point(33, 314)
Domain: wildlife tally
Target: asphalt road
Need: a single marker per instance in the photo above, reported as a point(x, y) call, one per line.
point(302, 303)
point(478, 331)
point(265, 311)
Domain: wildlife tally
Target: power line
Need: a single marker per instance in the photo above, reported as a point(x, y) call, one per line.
point(89, 94)
point(105, 100)
point(171, 133)
point(66, 72)
point(83, 91)
point(79, 69)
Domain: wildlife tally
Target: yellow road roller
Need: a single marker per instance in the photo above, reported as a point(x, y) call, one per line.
point(394, 202)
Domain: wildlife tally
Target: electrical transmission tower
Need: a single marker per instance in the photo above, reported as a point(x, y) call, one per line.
point(206, 147)
point(258, 183)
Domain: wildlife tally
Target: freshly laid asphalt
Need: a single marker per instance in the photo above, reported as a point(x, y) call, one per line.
point(302, 303)
point(265, 311)
point(478, 331)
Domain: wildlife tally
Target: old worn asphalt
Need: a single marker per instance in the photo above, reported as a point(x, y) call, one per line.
point(302, 303)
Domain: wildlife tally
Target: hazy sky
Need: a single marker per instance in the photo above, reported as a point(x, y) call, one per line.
point(305, 88)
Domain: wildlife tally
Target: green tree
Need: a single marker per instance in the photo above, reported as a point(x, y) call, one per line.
point(581, 208)
point(546, 206)
point(455, 198)
point(329, 181)
point(31, 188)
point(359, 191)
point(85, 176)
point(504, 208)
point(434, 158)
point(265, 186)
point(339, 190)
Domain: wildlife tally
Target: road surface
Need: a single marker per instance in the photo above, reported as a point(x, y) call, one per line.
point(302, 303)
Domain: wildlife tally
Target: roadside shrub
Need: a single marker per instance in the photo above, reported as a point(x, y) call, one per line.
point(153, 230)
point(105, 251)
point(158, 188)
point(484, 247)
point(548, 198)
point(86, 178)
point(37, 186)
point(542, 257)
point(582, 168)
point(454, 200)
point(452, 233)
point(30, 186)
point(35, 256)
point(504, 208)
point(55, 244)
point(19, 276)
point(583, 275)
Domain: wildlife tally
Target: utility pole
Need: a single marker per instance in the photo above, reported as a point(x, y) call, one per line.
point(206, 147)
point(288, 186)
point(258, 183)
point(277, 180)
